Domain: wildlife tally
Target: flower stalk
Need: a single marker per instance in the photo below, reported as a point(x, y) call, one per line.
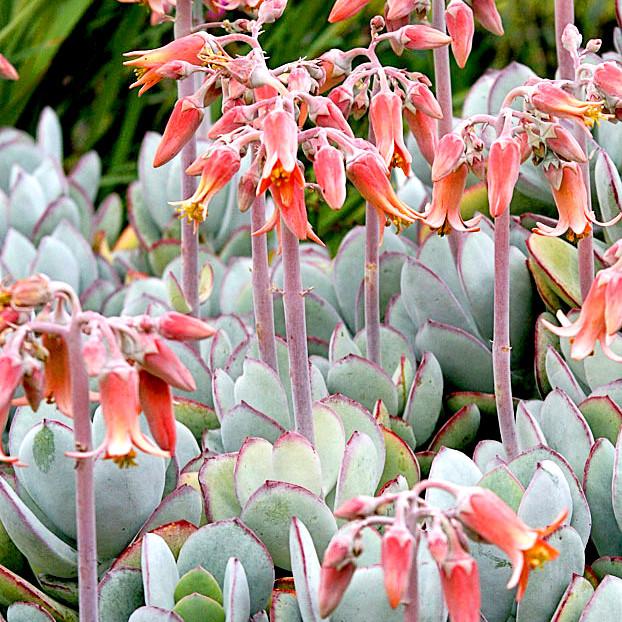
point(295, 326)
point(372, 283)
point(564, 15)
point(442, 73)
point(262, 287)
point(189, 234)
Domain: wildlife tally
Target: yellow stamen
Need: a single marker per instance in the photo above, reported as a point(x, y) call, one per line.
point(193, 211)
point(279, 176)
point(127, 461)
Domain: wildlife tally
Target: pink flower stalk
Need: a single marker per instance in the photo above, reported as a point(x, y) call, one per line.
point(449, 155)
point(331, 175)
point(178, 326)
point(421, 37)
point(217, 168)
point(7, 71)
point(443, 214)
point(461, 27)
point(345, 9)
point(504, 162)
point(156, 401)
point(149, 62)
point(159, 8)
point(599, 320)
point(182, 124)
point(369, 174)
point(385, 115)
point(570, 194)
point(333, 584)
point(486, 13)
point(553, 100)
point(425, 130)
point(118, 390)
point(493, 520)
point(11, 373)
point(398, 551)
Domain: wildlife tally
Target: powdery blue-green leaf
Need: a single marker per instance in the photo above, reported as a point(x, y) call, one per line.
point(603, 416)
point(400, 460)
point(616, 484)
point(213, 545)
point(576, 596)
point(515, 74)
point(489, 454)
point(236, 592)
point(183, 503)
point(295, 460)
point(504, 484)
point(330, 442)
point(528, 429)
point(393, 348)
point(341, 344)
point(269, 512)
point(27, 612)
point(560, 376)
point(56, 259)
point(217, 485)
point(235, 289)
point(606, 603)
point(120, 593)
point(609, 192)
point(597, 484)
point(459, 431)
point(243, 421)
point(223, 392)
point(154, 614)
point(159, 572)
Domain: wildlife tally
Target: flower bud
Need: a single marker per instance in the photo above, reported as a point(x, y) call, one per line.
point(177, 326)
point(7, 71)
point(421, 37)
point(331, 175)
point(461, 27)
point(32, 291)
point(182, 124)
point(398, 552)
point(504, 162)
point(485, 12)
point(344, 9)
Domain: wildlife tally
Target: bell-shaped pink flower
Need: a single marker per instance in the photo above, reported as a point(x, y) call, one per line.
point(487, 15)
point(148, 62)
point(217, 168)
point(421, 37)
point(179, 327)
point(565, 145)
point(599, 320)
point(159, 360)
point(156, 402)
point(385, 115)
point(443, 214)
point(7, 71)
point(421, 98)
point(608, 80)
point(182, 124)
point(494, 521)
point(504, 162)
point(461, 27)
point(344, 9)
point(552, 99)
point(325, 113)
point(425, 130)
point(460, 582)
point(398, 9)
point(57, 373)
point(449, 155)
point(333, 584)
point(11, 373)
point(369, 174)
point(330, 173)
point(398, 552)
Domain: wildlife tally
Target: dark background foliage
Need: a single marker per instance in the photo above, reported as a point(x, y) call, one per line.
point(69, 54)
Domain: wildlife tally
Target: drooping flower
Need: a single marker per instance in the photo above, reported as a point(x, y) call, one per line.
point(552, 99)
point(217, 168)
point(57, 373)
point(331, 175)
point(504, 162)
point(333, 584)
point(156, 402)
point(385, 115)
point(425, 130)
point(565, 145)
point(487, 15)
point(398, 551)
point(7, 71)
point(461, 27)
point(494, 521)
point(344, 9)
point(178, 326)
point(570, 194)
point(398, 9)
point(443, 213)
point(599, 320)
point(369, 174)
point(449, 155)
point(421, 37)
point(608, 80)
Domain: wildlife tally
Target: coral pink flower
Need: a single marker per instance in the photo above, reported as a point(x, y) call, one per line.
point(358, 507)
point(504, 162)
point(7, 71)
point(146, 66)
point(333, 584)
point(421, 37)
point(217, 168)
point(565, 145)
point(425, 130)
point(608, 79)
point(421, 98)
point(156, 402)
point(57, 375)
point(177, 326)
point(461, 27)
point(385, 115)
point(369, 174)
point(344, 9)
point(449, 155)
point(443, 214)
point(398, 551)
point(283, 175)
point(486, 14)
point(182, 124)
point(494, 521)
point(11, 372)
point(552, 99)
point(159, 360)
point(570, 194)
point(118, 391)
point(398, 9)
point(331, 175)
point(600, 317)
point(325, 113)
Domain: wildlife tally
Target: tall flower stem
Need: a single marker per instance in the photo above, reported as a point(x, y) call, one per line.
point(501, 349)
point(189, 237)
point(372, 283)
point(262, 287)
point(564, 15)
point(295, 326)
point(442, 73)
point(85, 490)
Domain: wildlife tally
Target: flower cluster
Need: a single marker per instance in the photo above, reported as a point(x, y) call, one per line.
point(128, 356)
point(476, 512)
